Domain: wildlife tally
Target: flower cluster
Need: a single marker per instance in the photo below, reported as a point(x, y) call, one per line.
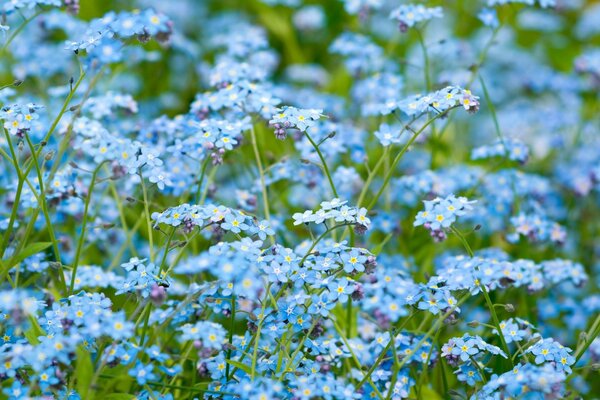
point(440, 214)
point(438, 102)
point(124, 25)
point(158, 242)
point(537, 228)
point(142, 277)
point(409, 15)
point(512, 149)
point(336, 210)
point(525, 380)
point(293, 118)
point(19, 118)
point(465, 353)
point(552, 352)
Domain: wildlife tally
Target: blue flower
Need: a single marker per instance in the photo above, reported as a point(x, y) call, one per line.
point(353, 261)
point(142, 373)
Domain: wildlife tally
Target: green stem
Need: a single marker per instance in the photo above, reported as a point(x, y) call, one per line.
point(349, 317)
point(29, 166)
point(422, 377)
point(257, 340)
point(148, 218)
point(372, 175)
point(19, 29)
point(388, 176)
point(83, 228)
point(496, 323)
point(164, 257)
point(463, 240)
point(474, 73)
point(589, 338)
point(201, 179)
point(261, 171)
point(434, 328)
point(321, 236)
point(298, 349)
point(325, 167)
point(381, 355)
point(44, 207)
point(17, 200)
point(425, 60)
point(490, 105)
point(479, 369)
point(263, 184)
point(355, 359)
point(488, 300)
point(231, 329)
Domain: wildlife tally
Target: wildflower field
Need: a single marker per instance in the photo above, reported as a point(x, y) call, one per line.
point(299, 199)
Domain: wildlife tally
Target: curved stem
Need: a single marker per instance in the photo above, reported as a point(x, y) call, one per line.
point(388, 176)
point(589, 338)
point(18, 30)
point(321, 236)
point(325, 167)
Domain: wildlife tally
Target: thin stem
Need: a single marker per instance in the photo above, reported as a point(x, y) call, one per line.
point(325, 167)
point(388, 176)
point(44, 207)
point(355, 359)
point(19, 29)
point(164, 257)
point(372, 175)
point(589, 338)
point(474, 73)
point(490, 105)
point(261, 172)
point(148, 219)
point(83, 227)
point(321, 236)
point(422, 378)
point(488, 300)
point(384, 351)
point(496, 323)
point(259, 327)
point(425, 60)
point(479, 369)
point(464, 241)
point(434, 328)
point(231, 329)
point(17, 200)
point(298, 349)
point(201, 179)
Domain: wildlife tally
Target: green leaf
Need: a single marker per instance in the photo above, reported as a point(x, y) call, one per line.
point(28, 251)
point(34, 331)
point(429, 393)
point(240, 366)
point(84, 372)
point(118, 396)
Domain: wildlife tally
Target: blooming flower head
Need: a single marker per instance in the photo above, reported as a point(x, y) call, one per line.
point(440, 214)
point(408, 15)
point(293, 118)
